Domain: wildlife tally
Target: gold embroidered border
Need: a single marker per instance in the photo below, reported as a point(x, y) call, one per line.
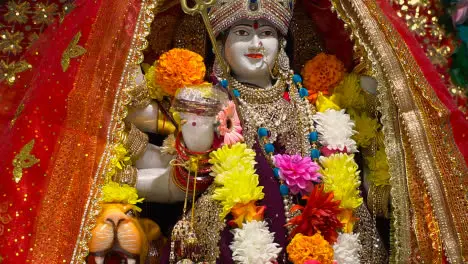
point(416, 192)
point(401, 251)
point(116, 127)
point(448, 181)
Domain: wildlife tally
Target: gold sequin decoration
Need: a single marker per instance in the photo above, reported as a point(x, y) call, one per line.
point(11, 42)
point(305, 41)
point(18, 112)
point(208, 226)
point(17, 12)
point(8, 71)
point(421, 18)
point(72, 51)
point(23, 160)
point(44, 13)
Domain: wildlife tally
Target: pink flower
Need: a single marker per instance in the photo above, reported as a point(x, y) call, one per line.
point(312, 262)
point(297, 172)
point(229, 124)
point(325, 151)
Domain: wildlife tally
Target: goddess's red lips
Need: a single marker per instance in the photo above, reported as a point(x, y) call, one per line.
point(254, 55)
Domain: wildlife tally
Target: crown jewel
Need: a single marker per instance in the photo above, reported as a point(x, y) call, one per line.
point(227, 12)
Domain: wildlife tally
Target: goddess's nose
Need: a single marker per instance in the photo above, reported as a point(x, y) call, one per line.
point(256, 41)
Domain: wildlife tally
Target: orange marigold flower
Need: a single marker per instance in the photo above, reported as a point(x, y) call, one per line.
point(178, 68)
point(322, 74)
point(303, 248)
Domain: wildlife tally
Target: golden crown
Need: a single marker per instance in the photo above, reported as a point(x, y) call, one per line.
point(227, 12)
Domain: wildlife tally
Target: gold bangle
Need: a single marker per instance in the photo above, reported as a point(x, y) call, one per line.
point(136, 142)
point(139, 95)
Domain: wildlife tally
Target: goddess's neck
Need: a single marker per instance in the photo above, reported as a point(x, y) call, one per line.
point(259, 81)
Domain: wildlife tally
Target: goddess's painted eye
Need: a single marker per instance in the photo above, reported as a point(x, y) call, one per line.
point(241, 32)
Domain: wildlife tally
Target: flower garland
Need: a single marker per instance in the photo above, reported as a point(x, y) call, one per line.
point(238, 192)
point(329, 206)
point(328, 179)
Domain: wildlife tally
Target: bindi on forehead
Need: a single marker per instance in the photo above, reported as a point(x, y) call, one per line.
point(255, 24)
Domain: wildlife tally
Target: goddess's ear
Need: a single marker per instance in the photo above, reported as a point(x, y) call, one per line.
point(220, 45)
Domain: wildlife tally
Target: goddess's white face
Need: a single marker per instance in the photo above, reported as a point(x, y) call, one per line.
point(251, 48)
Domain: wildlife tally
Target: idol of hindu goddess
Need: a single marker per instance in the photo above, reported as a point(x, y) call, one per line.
point(278, 127)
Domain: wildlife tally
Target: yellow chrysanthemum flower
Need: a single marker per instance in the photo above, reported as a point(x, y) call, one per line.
point(348, 94)
point(229, 157)
point(118, 161)
point(155, 91)
point(341, 176)
point(240, 186)
point(378, 167)
point(324, 103)
point(380, 139)
point(113, 192)
point(366, 128)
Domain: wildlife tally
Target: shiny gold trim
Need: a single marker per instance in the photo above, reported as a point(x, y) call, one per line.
point(416, 191)
point(134, 58)
point(23, 160)
point(72, 51)
point(448, 181)
point(370, 38)
point(425, 163)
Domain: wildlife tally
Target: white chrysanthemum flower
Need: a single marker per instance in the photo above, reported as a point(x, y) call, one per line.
point(346, 249)
point(335, 129)
point(254, 244)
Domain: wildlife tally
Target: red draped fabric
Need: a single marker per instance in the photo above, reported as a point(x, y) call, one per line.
point(65, 113)
point(331, 29)
point(457, 120)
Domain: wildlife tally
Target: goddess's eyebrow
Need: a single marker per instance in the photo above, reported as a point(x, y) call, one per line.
point(246, 25)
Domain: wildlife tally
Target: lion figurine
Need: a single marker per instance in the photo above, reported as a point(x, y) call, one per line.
point(119, 232)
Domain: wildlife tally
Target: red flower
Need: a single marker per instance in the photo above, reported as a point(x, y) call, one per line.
point(319, 215)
